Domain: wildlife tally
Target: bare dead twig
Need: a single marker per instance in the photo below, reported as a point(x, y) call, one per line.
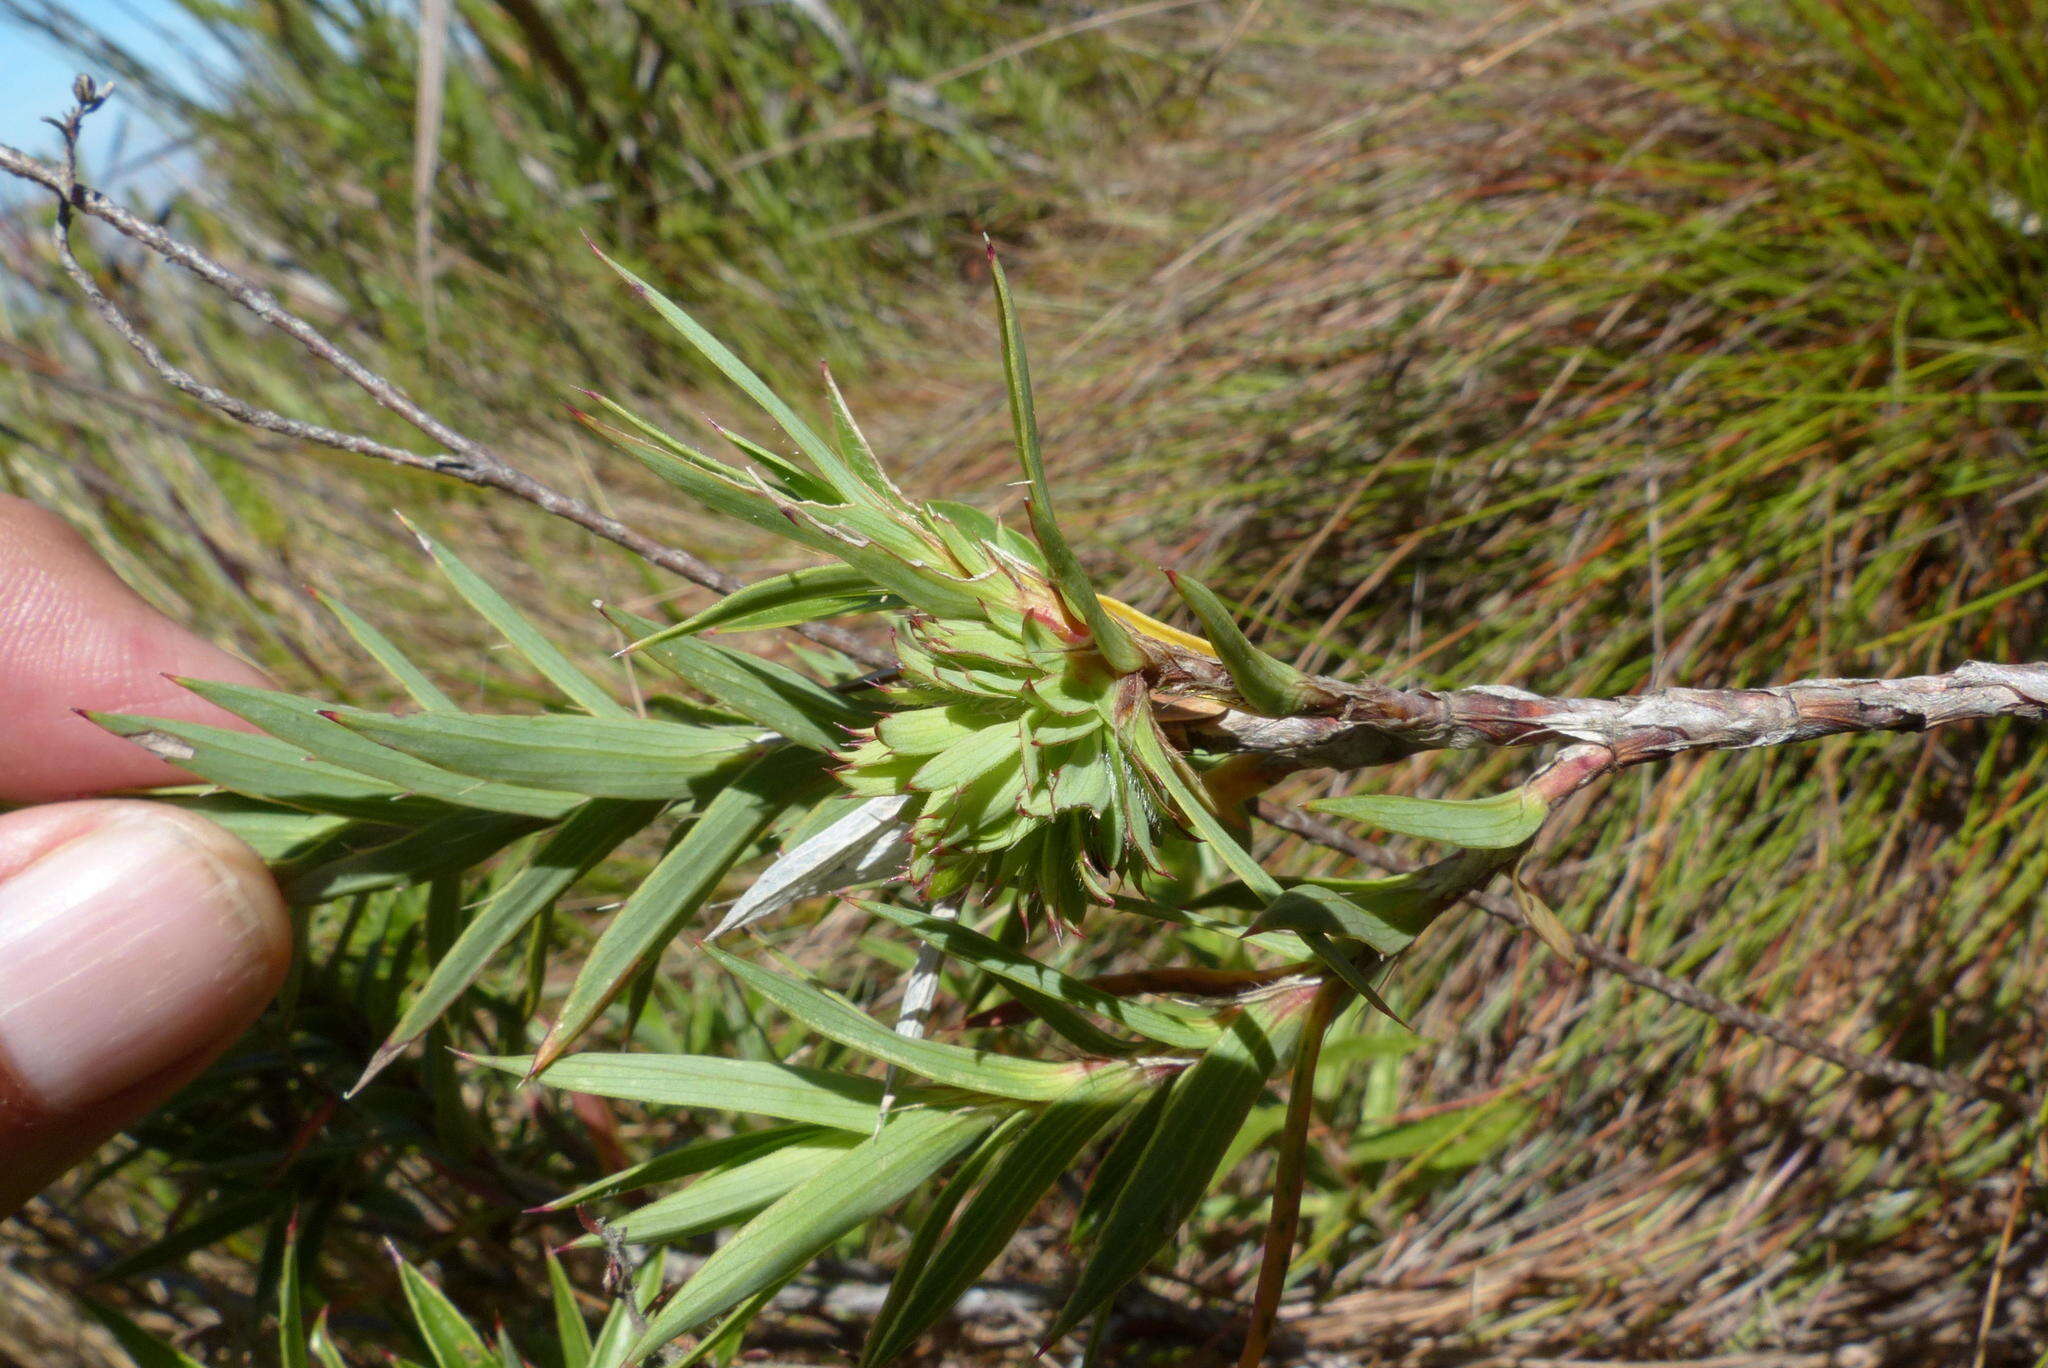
point(461, 457)
point(1892, 1072)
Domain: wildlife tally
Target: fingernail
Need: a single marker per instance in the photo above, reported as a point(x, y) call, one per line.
point(127, 949)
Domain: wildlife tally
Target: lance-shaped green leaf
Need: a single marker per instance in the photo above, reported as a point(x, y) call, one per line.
point(600, 756)
point(591, 833)
point(862, 1184)
point(459, 841)
point(572, 1335)
point(409, 676)
point(687, 1161)
point(895, 558)
point(1387, 920)
point(1185, 1031)
point(1207, 1105)
point(799, 483)
point(1344, 964)
point(1495, 823)
point(305, 722)
point(793, 479)
point(291, 1306)
point(688, 874)
point(451, 1339)
point(320, 1343)
point(1268, 684)
point(810, 594)
point(784, 1091)
point(815, 448)
point(1111, 639)
point(774, 695)
point(524, 637)
point(833, 1016)
point(1045, 1149)
point(277, 833)
point(734, 1193)
point(853, 445)
point(717, 487)
point(265, 767)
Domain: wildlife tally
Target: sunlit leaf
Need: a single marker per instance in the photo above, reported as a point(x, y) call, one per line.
point(1110, 637)
point(1044, 1149)
point(719, 1199)
point(773, 695)
point(312, 725)
point(1269, 685)
point(833, 1016)
point(688, 874)
point(524, 637)
point(740, 1085)
point(452, 1340)
point(810, 594)
point(1181, 1030)
point(1207, 1105)
point(1496, 823)
point(864, 1182)
point(409, 676)
point(600, 756)
point(589, 835)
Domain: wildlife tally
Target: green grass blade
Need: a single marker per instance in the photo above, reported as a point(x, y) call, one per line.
point(291, 1307)
point(815, 448)
point(810, 594)
point(572, 1334)
point(1388, 924)
point(307, 723)
point(265, 767)
point(774, 695)
point(451, 1339)
point(853, 446)
point(686, 1161)
point(720, 492)
point(734, 1193)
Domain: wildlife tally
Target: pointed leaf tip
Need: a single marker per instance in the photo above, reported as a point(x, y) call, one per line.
point(1267, 684)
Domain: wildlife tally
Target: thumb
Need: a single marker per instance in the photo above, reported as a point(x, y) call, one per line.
point(136, 942)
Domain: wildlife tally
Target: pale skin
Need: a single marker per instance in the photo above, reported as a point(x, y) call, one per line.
point(136, 941)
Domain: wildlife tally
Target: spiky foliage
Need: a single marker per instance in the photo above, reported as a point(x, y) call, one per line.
point(1015, 761)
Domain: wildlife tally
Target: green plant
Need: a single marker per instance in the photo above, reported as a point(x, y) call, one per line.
point(1483, 1129)
point(1039, 752)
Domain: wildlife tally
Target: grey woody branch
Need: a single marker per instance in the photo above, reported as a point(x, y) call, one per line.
point(460, 456)
point(1372, 724)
